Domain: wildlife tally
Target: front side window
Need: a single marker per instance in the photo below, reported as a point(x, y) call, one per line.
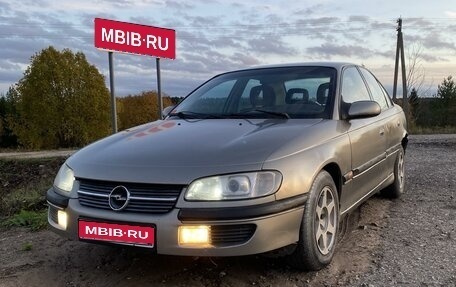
point(297, 92)
point(353, 87)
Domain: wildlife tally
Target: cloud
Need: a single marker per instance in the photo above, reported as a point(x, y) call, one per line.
point(212, 36)
point(330, 50)
point(431, 41)
point(451, 14)
point(358, 18)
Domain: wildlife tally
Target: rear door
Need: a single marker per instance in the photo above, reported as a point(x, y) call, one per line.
point(394, 121)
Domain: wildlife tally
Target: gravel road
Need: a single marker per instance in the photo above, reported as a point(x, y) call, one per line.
point(405, 242)
point(419, 245)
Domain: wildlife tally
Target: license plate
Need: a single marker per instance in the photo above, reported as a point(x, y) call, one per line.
point(119, 233)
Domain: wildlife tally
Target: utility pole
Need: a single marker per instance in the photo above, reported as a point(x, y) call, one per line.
point(400, 53)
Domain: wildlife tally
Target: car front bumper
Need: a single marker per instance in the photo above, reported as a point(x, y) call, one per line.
point(270, 226)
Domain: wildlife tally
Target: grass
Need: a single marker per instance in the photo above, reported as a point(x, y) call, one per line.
point(35, 220)
point(23, 185)
point(30, 197)
point(27, 246)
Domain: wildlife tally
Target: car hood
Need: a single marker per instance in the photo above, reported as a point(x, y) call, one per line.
point(178, 151)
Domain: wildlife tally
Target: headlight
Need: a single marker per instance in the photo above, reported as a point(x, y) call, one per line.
point(234, 186)
point(64, 179)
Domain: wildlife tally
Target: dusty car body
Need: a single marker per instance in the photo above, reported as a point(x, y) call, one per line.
point(251, 161)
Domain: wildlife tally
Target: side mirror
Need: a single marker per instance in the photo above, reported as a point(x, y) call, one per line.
point(363, 109)
point(167, 110)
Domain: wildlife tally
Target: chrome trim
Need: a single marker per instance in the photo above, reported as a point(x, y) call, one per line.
point(93, 194)
point(367, 194)
point(168, 199)
point(55, 206)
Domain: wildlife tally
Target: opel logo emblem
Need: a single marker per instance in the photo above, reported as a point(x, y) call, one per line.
point(119, 198)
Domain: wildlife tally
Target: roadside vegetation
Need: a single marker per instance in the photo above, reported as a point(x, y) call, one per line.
point(433, 115)
point(23, 185)
point(62, 102)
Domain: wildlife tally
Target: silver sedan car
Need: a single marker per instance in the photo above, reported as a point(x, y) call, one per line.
point(255, 160)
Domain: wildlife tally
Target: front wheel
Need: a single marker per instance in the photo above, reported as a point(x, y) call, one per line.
point(319, 227)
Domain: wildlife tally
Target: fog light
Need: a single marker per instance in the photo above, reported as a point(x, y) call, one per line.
point(62, 219)
point(194, 235)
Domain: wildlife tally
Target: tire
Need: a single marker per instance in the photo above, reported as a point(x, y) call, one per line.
point(319, 227)
point(396, 189)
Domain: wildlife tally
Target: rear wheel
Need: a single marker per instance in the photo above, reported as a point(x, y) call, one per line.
point(319, 227)
point(396, 189)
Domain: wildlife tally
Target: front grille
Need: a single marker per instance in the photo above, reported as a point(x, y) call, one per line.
point(145, 198)
point(231, 234)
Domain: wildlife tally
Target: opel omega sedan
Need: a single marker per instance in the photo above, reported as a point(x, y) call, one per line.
point(255, 160)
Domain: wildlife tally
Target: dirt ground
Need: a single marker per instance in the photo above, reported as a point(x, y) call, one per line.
point(405, 242)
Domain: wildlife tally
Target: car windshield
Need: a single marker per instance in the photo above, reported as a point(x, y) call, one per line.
point(285, 92)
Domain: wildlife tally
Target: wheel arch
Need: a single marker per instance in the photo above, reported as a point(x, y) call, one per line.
point(334, 170)
point(404, 142)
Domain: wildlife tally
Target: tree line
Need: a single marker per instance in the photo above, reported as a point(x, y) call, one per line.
point(62, 102)
point(438, 112)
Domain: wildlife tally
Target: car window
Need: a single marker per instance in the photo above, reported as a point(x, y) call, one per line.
point(244, 102)
point(353, 87)
point(311, 85)
point(375, 88)
point(387, 96)
point(294, 92)
point(213, 101)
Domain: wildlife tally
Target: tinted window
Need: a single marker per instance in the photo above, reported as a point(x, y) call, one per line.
point(300, 92)
point(353, 87)
point(213, 101)
point(375, 88)
point(244, 102)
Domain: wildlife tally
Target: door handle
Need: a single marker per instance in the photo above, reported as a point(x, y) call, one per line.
point(382, 131)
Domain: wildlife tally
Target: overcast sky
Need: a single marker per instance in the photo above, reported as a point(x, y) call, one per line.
point(215, 36)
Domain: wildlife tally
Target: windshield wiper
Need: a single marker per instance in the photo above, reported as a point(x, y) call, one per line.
point(276, 114)
point(194, 115)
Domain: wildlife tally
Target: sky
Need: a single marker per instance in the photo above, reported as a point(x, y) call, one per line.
point(215, 36)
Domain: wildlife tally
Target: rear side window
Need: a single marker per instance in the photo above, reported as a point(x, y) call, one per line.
point(375, 88)
point(353, 87)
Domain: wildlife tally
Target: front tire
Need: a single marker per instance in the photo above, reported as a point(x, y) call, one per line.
point(319, 227)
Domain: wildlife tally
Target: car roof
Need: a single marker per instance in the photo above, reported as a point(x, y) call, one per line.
point(336, 65)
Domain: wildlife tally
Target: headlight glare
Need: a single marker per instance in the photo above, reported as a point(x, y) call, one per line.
point(64, 179)
point(235, 186)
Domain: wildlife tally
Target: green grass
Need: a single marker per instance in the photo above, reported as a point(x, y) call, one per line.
point(30, 197)
point(35, 220)
point(27, 246)
point(23, 186)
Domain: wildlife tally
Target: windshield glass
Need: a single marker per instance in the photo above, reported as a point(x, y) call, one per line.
point(287, 92)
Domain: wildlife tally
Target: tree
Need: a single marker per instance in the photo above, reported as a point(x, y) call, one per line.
point(446, 94)
point(414, 104)
point(416, 74)
point(139, 109)
point(7, 113)
point(62, 101)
